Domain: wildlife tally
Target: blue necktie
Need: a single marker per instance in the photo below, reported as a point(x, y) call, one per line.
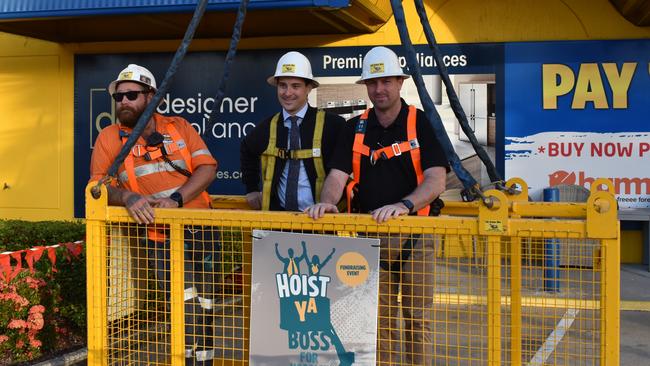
point(291, 198)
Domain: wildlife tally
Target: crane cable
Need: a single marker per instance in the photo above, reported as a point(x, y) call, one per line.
point(451, 93)
point(230, 56)
point(469, 183)
point(169, 76)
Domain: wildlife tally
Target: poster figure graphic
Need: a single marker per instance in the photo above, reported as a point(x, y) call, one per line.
point(304, 306)
point(308, 311)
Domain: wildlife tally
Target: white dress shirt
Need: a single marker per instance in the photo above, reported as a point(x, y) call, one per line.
point(305, 197)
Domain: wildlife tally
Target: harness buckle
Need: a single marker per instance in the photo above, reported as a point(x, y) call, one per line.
point(137, 150)
point(371, 156)
point(315, 152)
point(414, 144)
point(283, 154)
point(396, 150)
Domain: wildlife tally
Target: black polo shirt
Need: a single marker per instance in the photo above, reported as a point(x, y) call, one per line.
point(388, 181)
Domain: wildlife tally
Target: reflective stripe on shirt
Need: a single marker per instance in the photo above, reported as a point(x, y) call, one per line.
point(201, 152)
point(166, 193)
point(152, 168)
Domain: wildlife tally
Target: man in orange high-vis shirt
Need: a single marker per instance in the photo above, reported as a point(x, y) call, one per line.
point(169, 167)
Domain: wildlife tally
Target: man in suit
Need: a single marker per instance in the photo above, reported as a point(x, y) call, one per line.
point(284, 159)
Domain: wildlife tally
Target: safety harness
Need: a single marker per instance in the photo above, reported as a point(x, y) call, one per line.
point(168, 148)
point(396, 149)
point(272, 153)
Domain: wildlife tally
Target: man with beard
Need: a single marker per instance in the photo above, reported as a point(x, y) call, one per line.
point(169, 167)
point(155, 182)
point(397, 168)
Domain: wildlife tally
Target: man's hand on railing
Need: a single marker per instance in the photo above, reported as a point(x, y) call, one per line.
point(318, 210)
point(385, 213)
point(139, 207)
point(254, 200)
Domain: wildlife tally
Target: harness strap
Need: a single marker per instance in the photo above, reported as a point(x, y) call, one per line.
point(301, 154)
point(129, 166)
point(411, 135)
point(141, 151)
point(185, 153)
point(393, 150)
point(268, 162)
point(349, 192)
point(129, 161)
point(359, 148)
point(317, 144)
point(152, 233)
point(173, 133)
point(272, 153)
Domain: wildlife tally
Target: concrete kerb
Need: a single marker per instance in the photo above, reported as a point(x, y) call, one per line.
point(66, 359)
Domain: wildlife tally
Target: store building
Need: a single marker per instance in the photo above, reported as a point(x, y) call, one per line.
point(557, 90)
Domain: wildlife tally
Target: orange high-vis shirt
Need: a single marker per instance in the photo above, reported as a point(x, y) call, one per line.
point(156, 178)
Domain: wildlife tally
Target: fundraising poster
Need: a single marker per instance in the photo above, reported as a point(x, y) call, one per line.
point(313, 300)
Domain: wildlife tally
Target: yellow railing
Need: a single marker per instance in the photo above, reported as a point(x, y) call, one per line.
point(493, 296)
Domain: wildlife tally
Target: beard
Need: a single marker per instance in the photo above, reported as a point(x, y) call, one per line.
point(129, 116)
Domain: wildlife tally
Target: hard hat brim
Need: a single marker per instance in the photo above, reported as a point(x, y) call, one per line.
point(362, 80)
point(272, 80)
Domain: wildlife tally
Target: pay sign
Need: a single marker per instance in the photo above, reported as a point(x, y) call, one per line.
point(589, 84)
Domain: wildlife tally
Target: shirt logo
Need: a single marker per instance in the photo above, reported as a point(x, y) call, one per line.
point(288, 68)
point(377, 68)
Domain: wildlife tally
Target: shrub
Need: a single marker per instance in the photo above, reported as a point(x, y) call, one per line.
point(21, 316)
point(18, 234)
point(44, 310)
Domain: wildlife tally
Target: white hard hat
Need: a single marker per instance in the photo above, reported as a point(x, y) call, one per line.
point(293, 64)
point(380, 62)
point(135, 73)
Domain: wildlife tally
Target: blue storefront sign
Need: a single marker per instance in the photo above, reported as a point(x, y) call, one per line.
point(249, 99)
point(576, 111)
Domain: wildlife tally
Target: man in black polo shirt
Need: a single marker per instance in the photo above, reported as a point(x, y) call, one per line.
point(400, 169)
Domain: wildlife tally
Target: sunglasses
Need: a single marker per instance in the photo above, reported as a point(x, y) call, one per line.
point(130, 95)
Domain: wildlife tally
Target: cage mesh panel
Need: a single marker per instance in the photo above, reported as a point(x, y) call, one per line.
point(433, 297)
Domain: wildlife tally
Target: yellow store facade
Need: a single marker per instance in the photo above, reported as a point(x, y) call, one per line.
point(52, 68)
